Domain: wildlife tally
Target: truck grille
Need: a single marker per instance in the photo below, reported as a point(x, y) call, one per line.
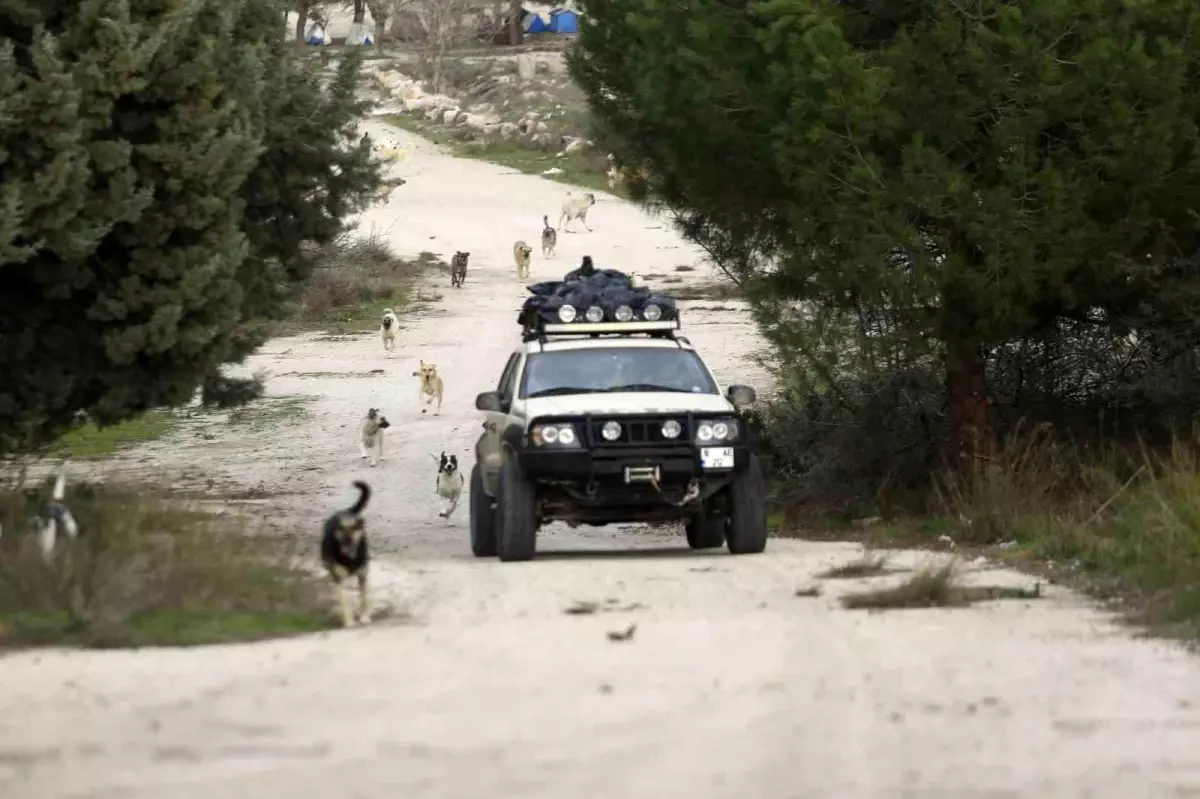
point(641, 431)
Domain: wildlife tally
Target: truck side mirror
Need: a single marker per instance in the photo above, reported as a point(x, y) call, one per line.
point(741, 396)
point(488, 401)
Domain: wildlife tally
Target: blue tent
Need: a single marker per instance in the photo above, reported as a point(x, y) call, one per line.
point(564, 20)
point(534, 23)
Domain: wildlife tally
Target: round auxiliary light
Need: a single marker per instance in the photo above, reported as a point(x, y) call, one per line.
point(624, 313)
point(705, 432)
point(611, 431)
point(671, 429)
point(567, 313)
point(566, 435)
point(720, 430)
point(594, 314)
point(652, 313)
point(549, 434)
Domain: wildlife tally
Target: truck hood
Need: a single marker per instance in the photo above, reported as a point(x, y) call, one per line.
point(630, 402)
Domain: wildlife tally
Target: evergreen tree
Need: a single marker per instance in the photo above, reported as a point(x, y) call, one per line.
point(969, 173)
point(162, 162)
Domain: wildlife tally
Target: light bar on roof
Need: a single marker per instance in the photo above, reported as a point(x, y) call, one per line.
point(609, 327)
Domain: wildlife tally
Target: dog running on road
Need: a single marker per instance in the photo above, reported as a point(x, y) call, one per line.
point(576, 208)
point(449, 483)
point(370, 435)
point(431, 386)
point(458, 269)
point(521, 253)
point(387, 329)
point(344, 554)
point(549, 238)
point(54, 516)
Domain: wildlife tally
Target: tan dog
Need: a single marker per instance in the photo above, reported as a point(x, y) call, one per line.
point(431, 385)
point(576, 208)
point(521, 253)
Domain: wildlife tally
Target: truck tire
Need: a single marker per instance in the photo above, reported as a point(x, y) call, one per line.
point(483, 518)
point(516, 518)
point(705, 532)
point(747, 532)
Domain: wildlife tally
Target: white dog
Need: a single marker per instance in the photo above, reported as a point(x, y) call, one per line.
point(576, 208)
point(54, 516)
point(370, 435)
point(387, 329)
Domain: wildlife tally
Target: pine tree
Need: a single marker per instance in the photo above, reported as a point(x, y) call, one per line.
point(969, 172)
point(152, 205)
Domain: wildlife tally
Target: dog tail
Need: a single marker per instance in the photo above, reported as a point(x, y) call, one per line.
point(60, 484)
point(364, 495)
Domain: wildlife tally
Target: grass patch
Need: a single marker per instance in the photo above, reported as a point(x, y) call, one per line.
point(869, 565)
point(270, 412)
point(584, 169)
point(353, 280)
point(91, 441)
point(150, 569)
point(933, 587)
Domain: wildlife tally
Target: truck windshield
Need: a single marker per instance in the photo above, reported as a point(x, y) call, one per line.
point(549, 374)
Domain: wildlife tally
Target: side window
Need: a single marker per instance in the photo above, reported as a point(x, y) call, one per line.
point(509, 385)
point(506, 375)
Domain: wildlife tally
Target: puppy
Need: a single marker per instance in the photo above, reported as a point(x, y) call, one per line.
point(449, 483)
point(387, 329)
point(576, 208)
point(458, 269)
point(549, 238)
point(53, 517)
point(370, 435)
point(431, 386)
point(521, 253)
point(386, 187)
point(344, 554)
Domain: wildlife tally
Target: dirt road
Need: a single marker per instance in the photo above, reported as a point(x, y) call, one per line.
point(731, 687)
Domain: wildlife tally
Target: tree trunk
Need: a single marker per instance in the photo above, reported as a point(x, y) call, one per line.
point(301, 23)
point(380, 24)
point(516, 34)
point(360, 11)
point(966, 387)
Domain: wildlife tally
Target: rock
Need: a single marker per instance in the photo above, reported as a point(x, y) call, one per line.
point(479, 122)
point(508, 130)
point(450, 116)
point(575, 146)
point(541, 127)
point(556, 65)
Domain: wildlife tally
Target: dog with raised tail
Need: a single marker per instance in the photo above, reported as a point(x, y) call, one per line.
point(431, 386)
point(449, 483)
point(370, 435)
point(54, 517)
point(549, 238)
point(388, 326)
point(521, 253)
point(345, 554)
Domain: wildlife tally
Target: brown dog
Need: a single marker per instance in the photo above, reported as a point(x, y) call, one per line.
point(521, 253)
point(431, 385)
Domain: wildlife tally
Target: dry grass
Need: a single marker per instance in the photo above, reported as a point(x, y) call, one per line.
point(354, 279)
point(869, 565)
point(150, 569)
point(933, 587)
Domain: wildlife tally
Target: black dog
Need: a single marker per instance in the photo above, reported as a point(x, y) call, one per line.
point(344, 553)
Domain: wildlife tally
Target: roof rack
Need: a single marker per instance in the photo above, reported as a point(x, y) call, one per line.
point(589, 308)
point(664, 328)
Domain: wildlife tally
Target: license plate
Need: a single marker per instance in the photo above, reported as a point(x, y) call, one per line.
point(716, 457)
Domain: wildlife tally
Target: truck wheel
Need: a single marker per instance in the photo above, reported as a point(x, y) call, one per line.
point(705, 532)
point(747, 533)
point(483, 518)
point(516, 517)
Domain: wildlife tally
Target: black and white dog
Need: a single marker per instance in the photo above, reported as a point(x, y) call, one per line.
point(549, 238)
point(344, 554)
point(54, 516)
point(370, 435)
point(449, 483)
point(458, 268)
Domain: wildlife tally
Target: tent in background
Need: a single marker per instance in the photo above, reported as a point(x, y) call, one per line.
point(534, 23)
point(564, 20)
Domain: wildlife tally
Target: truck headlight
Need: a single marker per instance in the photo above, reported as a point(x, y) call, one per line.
point(594, 314)
point(717, 431)
point(554, 434)
point(611, 431)
point(567, 313)
point(652, 313)
point(671, 429)
point(623, 313)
